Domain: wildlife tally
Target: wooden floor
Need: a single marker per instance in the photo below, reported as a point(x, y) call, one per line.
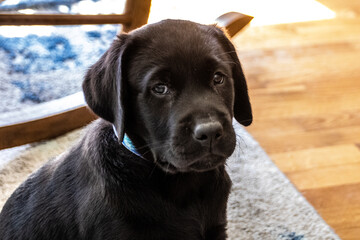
point(304, 83)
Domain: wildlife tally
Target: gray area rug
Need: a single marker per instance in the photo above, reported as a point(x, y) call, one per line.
point(263, 203)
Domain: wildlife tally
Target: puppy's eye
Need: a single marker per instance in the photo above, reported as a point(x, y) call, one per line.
point(160, 89)
point(218, 78)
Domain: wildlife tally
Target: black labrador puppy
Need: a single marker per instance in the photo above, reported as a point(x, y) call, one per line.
point(171, 89)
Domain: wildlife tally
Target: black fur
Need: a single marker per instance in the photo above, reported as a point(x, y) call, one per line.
point(178, 189)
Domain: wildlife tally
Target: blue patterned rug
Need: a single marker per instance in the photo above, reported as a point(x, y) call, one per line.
point(48, 63)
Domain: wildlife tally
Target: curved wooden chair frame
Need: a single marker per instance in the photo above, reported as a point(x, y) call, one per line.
point(54, 118)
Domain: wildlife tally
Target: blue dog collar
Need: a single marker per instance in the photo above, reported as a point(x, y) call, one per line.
point(128, 143)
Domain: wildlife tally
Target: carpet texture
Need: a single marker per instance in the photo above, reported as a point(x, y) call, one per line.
point(263, 203)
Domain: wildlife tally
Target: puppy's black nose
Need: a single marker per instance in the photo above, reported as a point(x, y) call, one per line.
point(208, 133)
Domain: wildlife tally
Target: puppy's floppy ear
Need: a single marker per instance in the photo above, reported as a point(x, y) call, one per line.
point(242, 107)
point(103, 85)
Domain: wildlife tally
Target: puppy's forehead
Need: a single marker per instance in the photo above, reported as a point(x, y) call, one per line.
point(171, 38)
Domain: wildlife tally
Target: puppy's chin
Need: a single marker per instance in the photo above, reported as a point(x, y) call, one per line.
point(203, 164)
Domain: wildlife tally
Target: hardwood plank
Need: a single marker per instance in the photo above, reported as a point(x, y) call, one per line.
point(287, 142)
point(272, 108)
point(326, 176)
point(315, 158)
point(340, 207)
point(311, 122)
point(349, 233)
point(339, 119)
point(298, 34)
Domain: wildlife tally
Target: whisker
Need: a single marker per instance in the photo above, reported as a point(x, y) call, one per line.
point(241, 143)
point(227, 52)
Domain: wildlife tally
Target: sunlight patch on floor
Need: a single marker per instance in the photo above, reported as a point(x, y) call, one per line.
point(265, 12)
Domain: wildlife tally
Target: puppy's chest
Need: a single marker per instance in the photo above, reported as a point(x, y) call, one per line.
point(184, 206)
point(203, 191)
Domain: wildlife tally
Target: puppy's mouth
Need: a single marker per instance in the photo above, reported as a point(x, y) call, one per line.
point(203, 164)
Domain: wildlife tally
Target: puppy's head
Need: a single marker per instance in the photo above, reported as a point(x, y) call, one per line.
point(173, 87)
